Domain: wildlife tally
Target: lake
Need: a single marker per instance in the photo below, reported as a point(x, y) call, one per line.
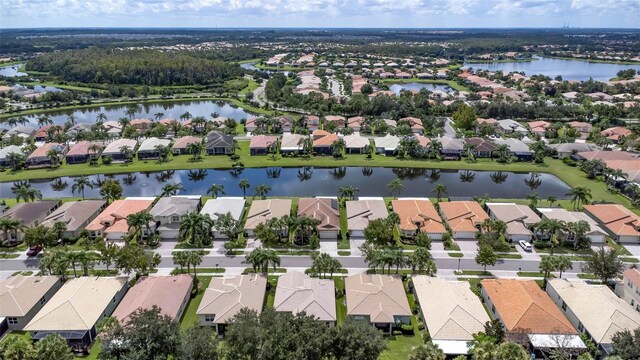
point(568, 69)
point(416, 86)
point(310, 181)
point(12, 70)
point(171, 109)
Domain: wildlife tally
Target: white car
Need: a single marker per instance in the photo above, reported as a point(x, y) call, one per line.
point(525, 245)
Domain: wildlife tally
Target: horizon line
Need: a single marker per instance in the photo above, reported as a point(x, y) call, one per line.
point(312, 28)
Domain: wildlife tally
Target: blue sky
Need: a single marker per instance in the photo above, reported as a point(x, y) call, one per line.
point(320, 13)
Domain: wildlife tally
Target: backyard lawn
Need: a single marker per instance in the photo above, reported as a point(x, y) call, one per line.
point(189, 317)
point(399, 346)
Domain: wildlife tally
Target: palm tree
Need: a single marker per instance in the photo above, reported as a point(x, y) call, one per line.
point(261, 191)
point(548, 264)
point(15, 159)
point(551, 227)
point(395, 187)
point(136, 223)
point(348, 192)
point(503, 152)
point(552, 200)
point(23, 191)
point(422, 261)
point(71, 119)
point(337, 147)
point(261, 258)
point(124, 122)
point(53, 156)
point(127, 151)
point(101, 117)
point(216, 190)
point(482, 199)
point(563, 264)
point(79, 185)
point(171, 189)
point(195, 149)
point(95, 149)
point(44, 120)
point(533, 199)
point(195, 229)
point(440, 190)
point(9, 225)
point(579, 194)
point(244, 185)
point(158, 116)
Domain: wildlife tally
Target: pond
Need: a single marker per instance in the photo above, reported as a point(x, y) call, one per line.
point(249, 66)
point(310, 181)
point(171, 109)
point(416, 86)
point(568, 69)
point(12, 70)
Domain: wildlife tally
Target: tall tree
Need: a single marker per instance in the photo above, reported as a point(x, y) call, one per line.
point(439, 190)
point(579, 194)
point(603, 263)
point(244, 185)
point(111, 190)
point(215, 190)
point(486, 257)
point(53, 347)
point(198, 343)
point(395, 187)
point(261, 191)
point(79, 184)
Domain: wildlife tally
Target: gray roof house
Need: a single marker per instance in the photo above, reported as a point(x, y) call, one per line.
point(75, 215)
point(147, 149)
point(169, 211)
point(31, 214)
point(21, 131)
point(518, 148)
point(520, 219)
point(509, 126)
point(5, 151)
point(451, 147)
point(387, 144)
point(219, 143)
point(223, 205)
point(567, 149)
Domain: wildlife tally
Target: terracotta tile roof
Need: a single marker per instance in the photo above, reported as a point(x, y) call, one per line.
point(135, 122)
point(481, 144)
point(414, 212)
point(615, 133)
point(633, 275)
point(323, 209)
point(182, 142)
point(262, 141)
point(617, 218)
point(81, 148)
point(44, 149)
point(381, 297)
point(324, 141)
point(116, 215)
point(524, 307)
point(539, 124)
point(423, 140)
point(606, 155)
point(463, 215)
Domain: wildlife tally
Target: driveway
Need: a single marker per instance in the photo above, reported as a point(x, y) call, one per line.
point(634, 249)
point(355, 246)
point(468, 245)
point(329, 247)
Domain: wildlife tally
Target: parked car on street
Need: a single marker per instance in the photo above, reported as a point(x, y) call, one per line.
point(34, 250)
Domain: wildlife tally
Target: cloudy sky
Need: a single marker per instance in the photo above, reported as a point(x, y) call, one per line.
point(320, 13)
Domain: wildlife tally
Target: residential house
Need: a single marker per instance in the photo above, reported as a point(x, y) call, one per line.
point(356, 144)
point(326, 211)
point(628, 289)
point(622, 224)
point(356, 123)
point(22, 297)
point(76, 129)
point(386, 145)
point(223, 205)
point(520, 219)
point(361, 212)
point(595, 234)
point(148, 150)
point(312, 122)
point(414, 123)
point(250, 125)
point(451, 147)
point(180, 144)
point(30, 214)
point(509, 126)
point(323, 141)
point(594, 310)
point(292, 143)
point(377, 299)
point(481, 147)
point(169, 211)
point(285, 122)
point(219, 144)
point(262, 211)
point(111, 224)
point(225, 296)
point(452, 313)
point(40, 156)
point(4, 154)
point(80, 153)
point(42, 134)
point(297, 292)
point(113, 128)
point(340, 121)
point(539, 127)
point(20, 131)
point(75, 215)
point(616, 134)
point(564, 150)
point(141, 124)
point(262, 144)
point(114, 149)
point(170, 294)
point(604, 155)
point(418, 216)
point(581, 127)
point(518, 148)
point(600, 96)
point(529, 315)
point(491, 122)
point(75, 310)
point(463, 218)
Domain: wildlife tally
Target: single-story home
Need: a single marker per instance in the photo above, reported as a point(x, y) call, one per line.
point(223, 205)
point(4, 154)
point(463, 218)
point(361, 212)
point(482, 147)
point(225, 296)
point(622, 224)
point(219, 143)
point(518, 148)
point(312, 122)
point(114, 149)
point(285, 122)
point(355, 144)
point(180, 144)
point(418, 216)
point(75, 310)
point(451, 147)
point(30, 214)
point(377, 299)
point(628, 289)
point(141, 124)
point(40, 156)
point(386, 145)
point(111, 224)
point(452, 313)
point(297, 292)
point(324, 210)
point(595, 234)
point(169, 211)
point(169, 293)
point(76, 215)
point(262, 211)
point(262, 144)
point(616, 133)
point(567, 149)
point(594, 310)
point(22, 297)
point(322, 141)
point(291, 143)
point(148, 150)
point(509, 126)
point(355, 123)
point(21, 131)
point(520, 219)
point(80, 153)
point(340, 121)
point(76, 129)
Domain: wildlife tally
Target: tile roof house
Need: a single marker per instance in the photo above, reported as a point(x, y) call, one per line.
point(30, 213)
point(285, 122)
point(377, 299)
point(261, 144)
point(180, 144)
point(5, 151)
point(387, 144)
point(223, 205)
point(20, 131)
point(297, 292)
point(452, 313)
point(451, 147)
point(622, 224)
point(340, 121)
point(324, 210)
point(520, 219)
point(628, 289)
point(595, 234)
point(582, 127)
point(517, 147)
point(76, 215)
point(263, 210)
point(594, 310)
point(169, 293)
point(483, 147)
point(219, 144)
point(225, 296)
point(291, 143)
point(22, 297)
point(604, 155)
point(40, 156)
point(113, 149)
point(418, 215)
point(141, 124)
point(168, 212)
point(509, 126)
point(463, 218)
point(616, 134)
point(111, 224)
point(356, 123)
point(312, 122)
point(538, 127)
point(525, 310)
point(361, 212)
point(355, 144)
point(567, 149)
point(322, 141)
point(414, 123)
point(80, 153)
point(75, 310)
point(148, 149)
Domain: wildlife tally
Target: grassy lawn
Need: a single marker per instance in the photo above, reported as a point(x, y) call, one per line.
point(200, 271)
point(618, 247)
point(455, 254)
point(588, 277)
point(251, 86)
point(454, 85)
point(271, 293)
point(278, 270)
point(399, 346)
point(474, 272)
point(509, 256)
point(189, 317)
point(9, 255)
point(341, 305)
point(630, 260)
point(533, 274)
point(344, 253)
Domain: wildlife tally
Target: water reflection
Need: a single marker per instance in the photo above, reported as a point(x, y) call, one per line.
point(533, 182)
point(197, 175)
point(499, 177)
point(467, 176)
